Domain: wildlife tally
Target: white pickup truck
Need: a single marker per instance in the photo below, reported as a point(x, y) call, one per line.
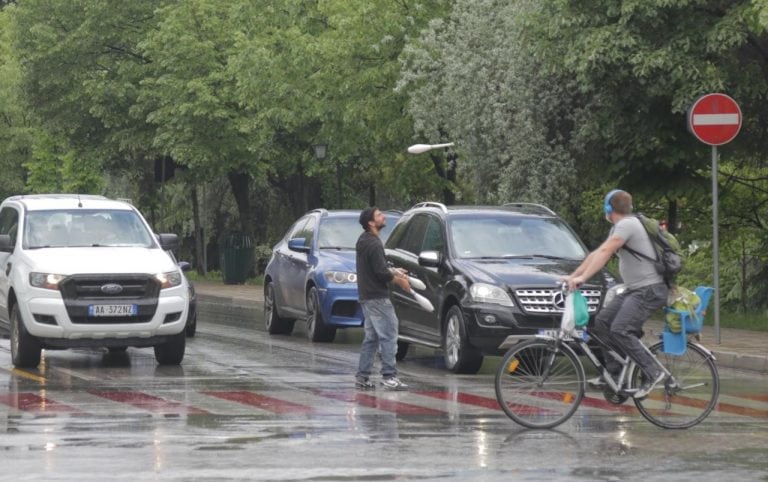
point(87, 271)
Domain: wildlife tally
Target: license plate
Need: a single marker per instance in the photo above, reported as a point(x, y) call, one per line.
point(113, 310)
point(553, 334)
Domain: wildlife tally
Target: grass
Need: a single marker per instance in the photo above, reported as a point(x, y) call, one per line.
point(757, 321)
point(217, 277)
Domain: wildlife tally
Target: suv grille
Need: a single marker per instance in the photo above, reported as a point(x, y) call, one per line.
point(551, 300)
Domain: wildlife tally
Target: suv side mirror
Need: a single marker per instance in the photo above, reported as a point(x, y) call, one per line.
point(184, 266)
point(297, 244)
point(430, 259)
point(6, 243)
point(168, 241)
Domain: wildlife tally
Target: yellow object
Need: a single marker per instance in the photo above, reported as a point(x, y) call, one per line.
point(567, 397)
point(682, 299)
point(513, 365)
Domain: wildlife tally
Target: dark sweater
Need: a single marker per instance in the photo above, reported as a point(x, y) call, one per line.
point(372, 272)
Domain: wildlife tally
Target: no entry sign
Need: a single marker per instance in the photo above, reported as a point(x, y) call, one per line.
point(714, 119)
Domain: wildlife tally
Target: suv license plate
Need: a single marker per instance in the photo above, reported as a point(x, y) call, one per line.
point(553, 334)
point(113, 310)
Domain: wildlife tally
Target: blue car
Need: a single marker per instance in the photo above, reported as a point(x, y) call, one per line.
point(311, 275)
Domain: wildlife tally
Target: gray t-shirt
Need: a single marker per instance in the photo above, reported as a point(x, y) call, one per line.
point(635, 270)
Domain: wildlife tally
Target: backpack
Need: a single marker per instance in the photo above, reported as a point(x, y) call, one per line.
point(669, 255)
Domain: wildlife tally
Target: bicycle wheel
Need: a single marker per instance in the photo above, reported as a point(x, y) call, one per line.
point(537, 386)
point(687, 398)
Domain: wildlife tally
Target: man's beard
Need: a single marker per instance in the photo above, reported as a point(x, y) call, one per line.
point(381, 226)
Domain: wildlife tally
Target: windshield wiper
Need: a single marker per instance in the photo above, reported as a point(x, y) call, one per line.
point(336, 247)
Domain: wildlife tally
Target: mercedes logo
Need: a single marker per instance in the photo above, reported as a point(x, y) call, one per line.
point(558, 300)
point(111, 289)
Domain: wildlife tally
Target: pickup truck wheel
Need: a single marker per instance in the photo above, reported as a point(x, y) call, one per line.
point(191, 327)
point(25, 349)
point(274, 323)
point(317, 330)
point(460, 356)
point(172, 351)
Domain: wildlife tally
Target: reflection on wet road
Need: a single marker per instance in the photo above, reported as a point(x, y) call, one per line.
point(248, 406)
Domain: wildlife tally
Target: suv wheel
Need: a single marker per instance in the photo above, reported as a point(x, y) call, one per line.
point(317, 330)
point(460, 356)
point(275, 324)
point(25, 349)
point(172, 351)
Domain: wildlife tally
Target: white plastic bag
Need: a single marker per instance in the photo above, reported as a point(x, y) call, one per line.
point(568, 322)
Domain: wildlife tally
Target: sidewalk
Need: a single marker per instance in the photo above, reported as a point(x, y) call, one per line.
point(741, 349)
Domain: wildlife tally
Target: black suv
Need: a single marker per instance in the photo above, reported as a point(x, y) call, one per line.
point(489, 271)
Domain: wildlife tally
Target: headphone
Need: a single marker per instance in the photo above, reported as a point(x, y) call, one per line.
point(607, 208)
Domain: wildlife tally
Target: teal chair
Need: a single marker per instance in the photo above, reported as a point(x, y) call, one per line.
point(690, 323)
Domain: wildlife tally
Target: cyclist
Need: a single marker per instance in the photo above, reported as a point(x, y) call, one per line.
point(621, 321)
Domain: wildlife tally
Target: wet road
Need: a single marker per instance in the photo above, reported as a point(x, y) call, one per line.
point(248, 406)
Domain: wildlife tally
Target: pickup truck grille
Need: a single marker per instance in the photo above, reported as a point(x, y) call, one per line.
point(96, 287)
point(81, 291)
point(551, 300)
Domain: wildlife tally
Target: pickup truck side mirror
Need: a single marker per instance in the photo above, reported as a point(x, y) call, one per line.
point(168, 241)
point(6, 243)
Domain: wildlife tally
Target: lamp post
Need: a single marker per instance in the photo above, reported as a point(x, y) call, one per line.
point(320, 152)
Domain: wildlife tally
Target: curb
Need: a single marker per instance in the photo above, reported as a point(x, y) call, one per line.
point(243, 312)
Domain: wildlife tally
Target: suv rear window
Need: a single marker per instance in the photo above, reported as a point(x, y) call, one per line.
point(508, 236)
point(85, 228)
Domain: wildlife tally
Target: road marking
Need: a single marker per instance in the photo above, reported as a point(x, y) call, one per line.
point(148, 402)
point(463, 398)
point(372, 401)
point(29, 402)
point(271, 404)
point(27, 375)
point(720, 407)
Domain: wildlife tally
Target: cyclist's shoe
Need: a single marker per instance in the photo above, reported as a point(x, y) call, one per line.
point(393, 384)
point(364, 383)
point(597, 382)
point(648, 385)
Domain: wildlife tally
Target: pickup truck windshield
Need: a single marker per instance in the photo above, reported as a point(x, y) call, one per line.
point(85, 228)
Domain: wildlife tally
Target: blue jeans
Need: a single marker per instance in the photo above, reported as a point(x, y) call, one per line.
point(380, 331)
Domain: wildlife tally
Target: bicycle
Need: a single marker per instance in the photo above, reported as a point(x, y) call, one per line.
point(541, 381)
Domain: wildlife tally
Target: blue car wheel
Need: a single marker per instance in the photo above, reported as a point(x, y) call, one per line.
point(317, 330)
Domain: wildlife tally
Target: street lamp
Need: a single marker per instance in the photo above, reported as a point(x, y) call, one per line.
point(320, 150)
point(419, 148)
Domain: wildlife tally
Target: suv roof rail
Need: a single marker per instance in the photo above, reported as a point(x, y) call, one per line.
point(532, 208)
point(318, 210)
point(431, 204)
point(57, 196)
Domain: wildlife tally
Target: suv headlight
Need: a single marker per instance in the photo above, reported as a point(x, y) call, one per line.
point(340, 277)
point(614, 291)
point(485, 293)
point(169, 279)
point(47, 281)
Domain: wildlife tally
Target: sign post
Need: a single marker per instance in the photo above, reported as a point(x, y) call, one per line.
point(715, 119)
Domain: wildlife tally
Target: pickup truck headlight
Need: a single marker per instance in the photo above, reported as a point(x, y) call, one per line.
point(485, 293)
point(169, 279)
point(47, 281)
point(340, 277)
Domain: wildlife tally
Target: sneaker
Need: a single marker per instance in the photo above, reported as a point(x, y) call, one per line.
point(364, 383)
point(648, 385)
point(597, 382)
point(393, 383)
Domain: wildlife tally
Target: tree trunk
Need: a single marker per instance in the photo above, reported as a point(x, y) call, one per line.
point(199, 241)
point(672, 216)
point(240, 183)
